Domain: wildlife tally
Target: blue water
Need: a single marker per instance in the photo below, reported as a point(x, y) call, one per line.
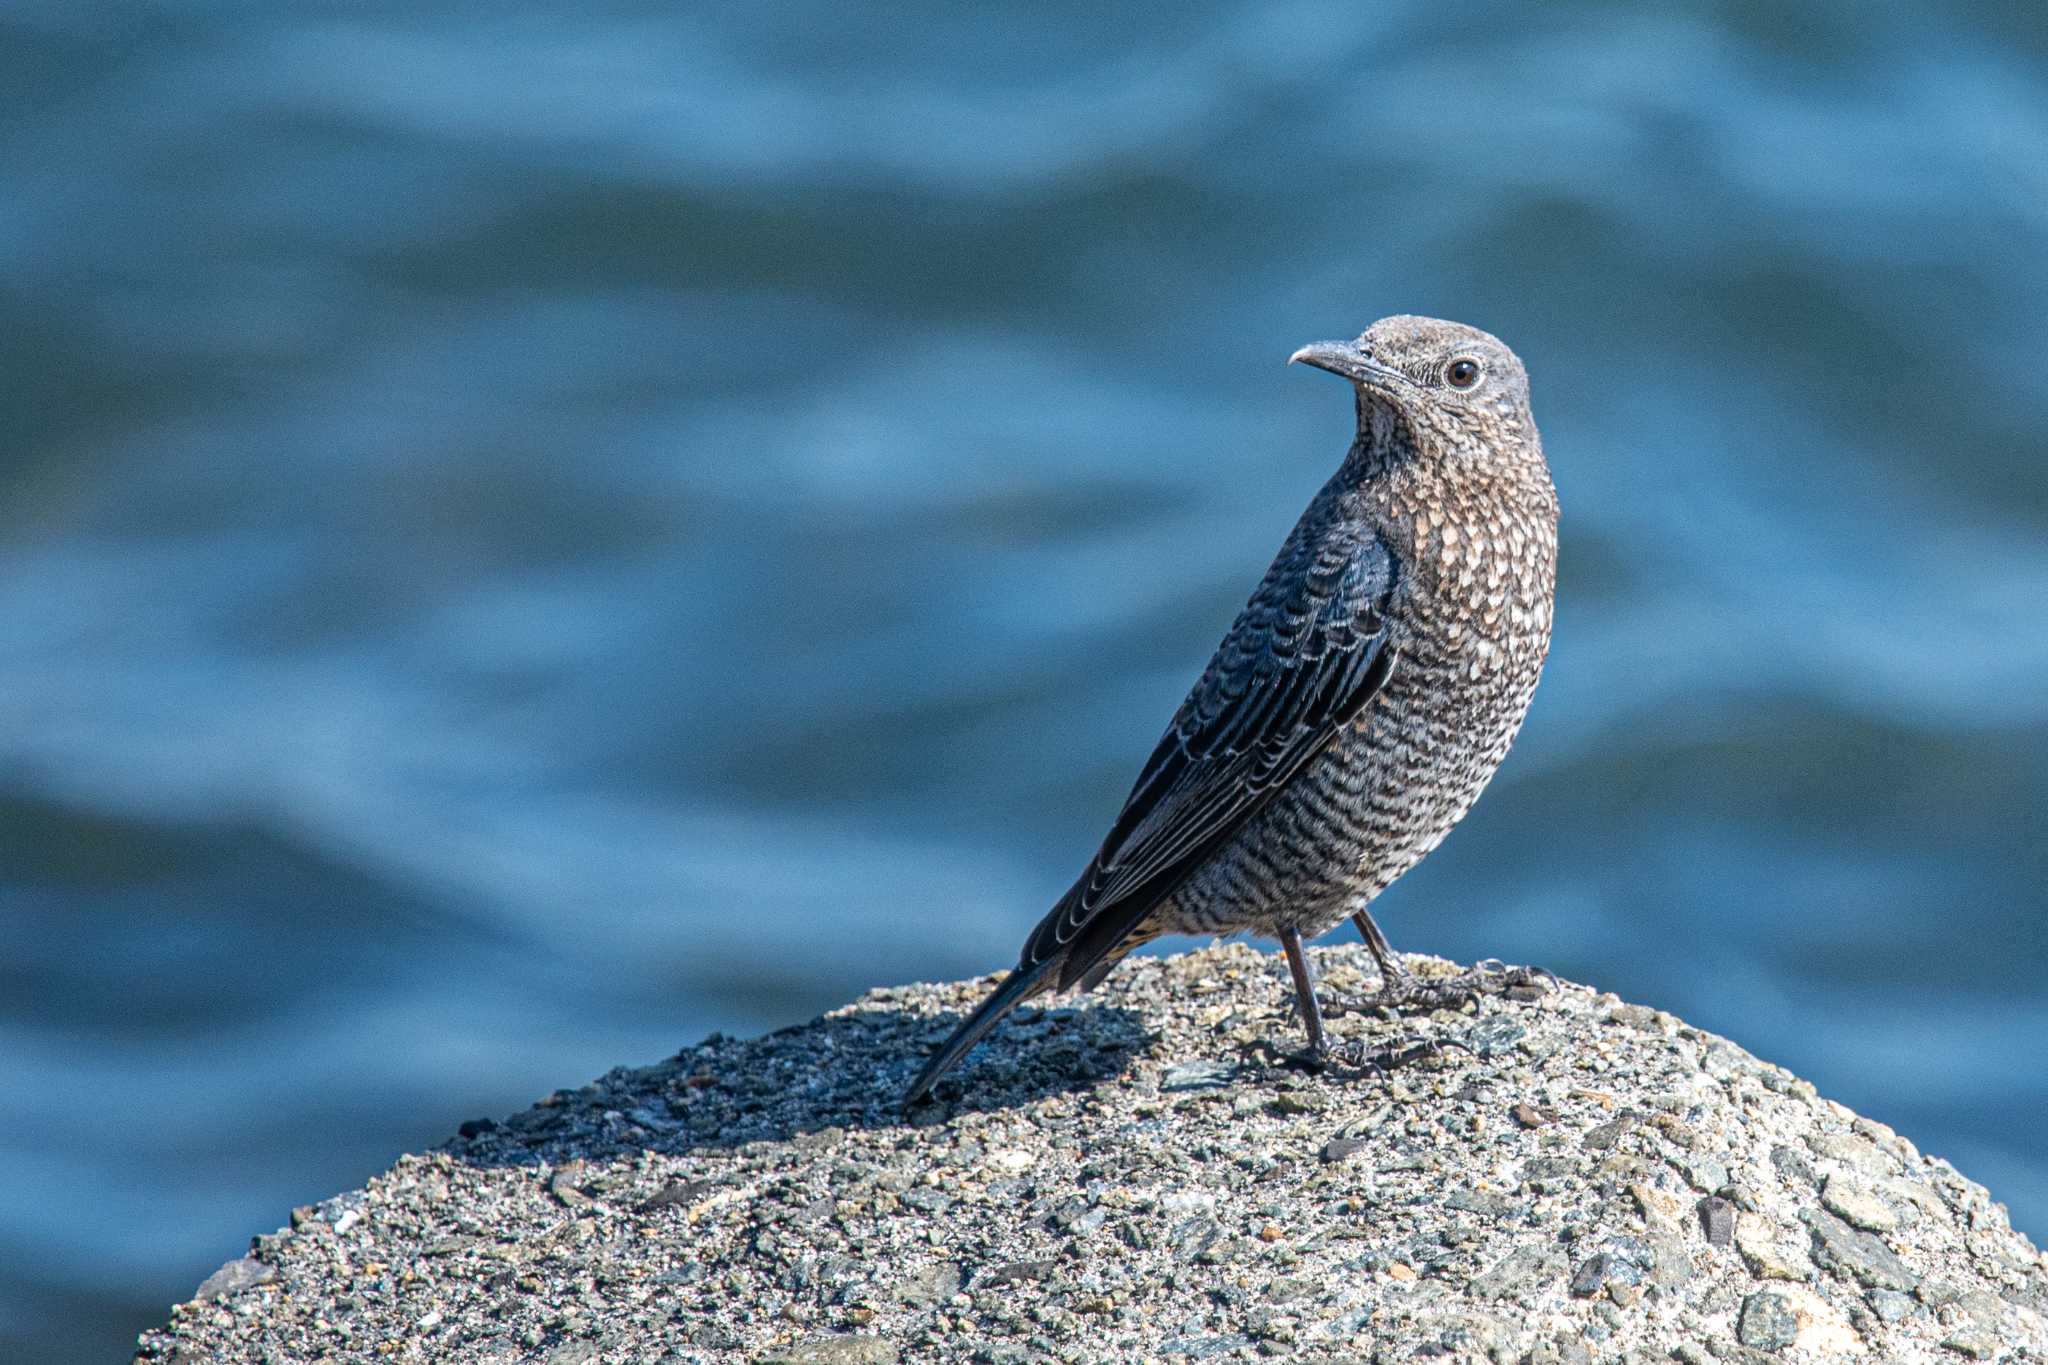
point(529, 534)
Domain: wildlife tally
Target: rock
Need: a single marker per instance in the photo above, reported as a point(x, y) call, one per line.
point(1623, 1261)
point(1198, 1076)
point(675, 1192)
point(1717, 1220)
point(847, 1350)
point(563, 1186)
point(1518, 1277)
point(1974, 1344)
point(1494, 1036)
point(1858, 1204)
point(1795, 1316)
point(1793, 1166)
point(1599, 1139)
point(1486, 1203)
point(1339, 1148)
point(235, 1276)
point(1767, 1254)
point(1138, 1176)
point(1857, 1255)
point(1767, 1322)
point(1011, 1160)
point(930, 1286)
point(1703, 1173)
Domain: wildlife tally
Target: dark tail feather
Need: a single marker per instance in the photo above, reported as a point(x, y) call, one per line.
point(1019, 986)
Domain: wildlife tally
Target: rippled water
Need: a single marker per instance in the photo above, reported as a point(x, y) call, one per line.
point(528, 535)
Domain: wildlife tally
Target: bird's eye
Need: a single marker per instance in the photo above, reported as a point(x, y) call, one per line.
point(1462, 373)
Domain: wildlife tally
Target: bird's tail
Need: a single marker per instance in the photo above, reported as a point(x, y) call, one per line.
point(1020, 985)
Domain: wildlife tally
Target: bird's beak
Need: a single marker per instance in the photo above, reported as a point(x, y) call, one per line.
point(1346, 359)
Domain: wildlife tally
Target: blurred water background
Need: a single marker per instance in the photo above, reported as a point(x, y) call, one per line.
point(530, 534)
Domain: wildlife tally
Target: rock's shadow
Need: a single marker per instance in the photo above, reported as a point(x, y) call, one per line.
point(847, 1070)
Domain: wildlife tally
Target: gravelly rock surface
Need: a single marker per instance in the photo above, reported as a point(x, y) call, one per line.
point(1143, 1177)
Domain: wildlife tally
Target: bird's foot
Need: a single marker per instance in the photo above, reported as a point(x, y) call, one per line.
point(1366, 1060)
point(1378, 1061)
point(1402, 991)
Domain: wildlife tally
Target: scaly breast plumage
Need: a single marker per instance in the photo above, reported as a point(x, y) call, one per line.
point(1391, 787)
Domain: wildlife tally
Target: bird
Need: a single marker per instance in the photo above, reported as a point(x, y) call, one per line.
point(1357, 706)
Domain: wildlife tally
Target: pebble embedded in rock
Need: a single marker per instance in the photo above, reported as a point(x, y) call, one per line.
point(1767, 1254)
point(842, 1350)
point(1011, 1160)
point(1495, 1036)
point(1518, 1276)
point(235, 1276)
point(675, 1192)
point(1625, 1262)
point(1599, 1139)
point(1793, 1166)
point(1016, 1272)
point(1198, 1076)
point(1858, 1255)
point(930, 1286)
point(1717, 1220)
point(1635, 1016)
point(1768, 1322)
point(1336, 1149)
point(563, 1186)
point(1858, 1204)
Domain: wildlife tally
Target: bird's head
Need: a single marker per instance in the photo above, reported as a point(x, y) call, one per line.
point(1448, 384)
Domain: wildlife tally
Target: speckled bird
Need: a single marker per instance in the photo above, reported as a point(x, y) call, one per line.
point(1359, 704)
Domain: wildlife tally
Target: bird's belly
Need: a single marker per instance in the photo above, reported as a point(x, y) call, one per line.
point(1377, 800)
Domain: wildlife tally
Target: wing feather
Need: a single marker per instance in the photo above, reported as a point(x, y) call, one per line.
point(1306, 654)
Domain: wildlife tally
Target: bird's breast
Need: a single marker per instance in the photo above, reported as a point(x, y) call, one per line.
point(1482, 579)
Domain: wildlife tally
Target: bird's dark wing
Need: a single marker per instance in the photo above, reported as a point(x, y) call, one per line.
point(1308, 651)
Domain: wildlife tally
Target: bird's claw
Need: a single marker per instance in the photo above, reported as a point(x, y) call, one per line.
point(1379, 1061)
point(1315, 1061)
point(1412, 994)
point(1360, 1058)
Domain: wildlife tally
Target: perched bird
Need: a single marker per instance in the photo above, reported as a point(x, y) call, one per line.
point(1360, 702)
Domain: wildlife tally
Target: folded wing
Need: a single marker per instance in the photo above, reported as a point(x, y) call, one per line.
point(1305, 655)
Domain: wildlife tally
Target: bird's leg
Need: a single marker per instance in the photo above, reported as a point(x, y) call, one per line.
point(1401, 988)
point(1321, 1052)
point(1396, 981)
point(1305, 995)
